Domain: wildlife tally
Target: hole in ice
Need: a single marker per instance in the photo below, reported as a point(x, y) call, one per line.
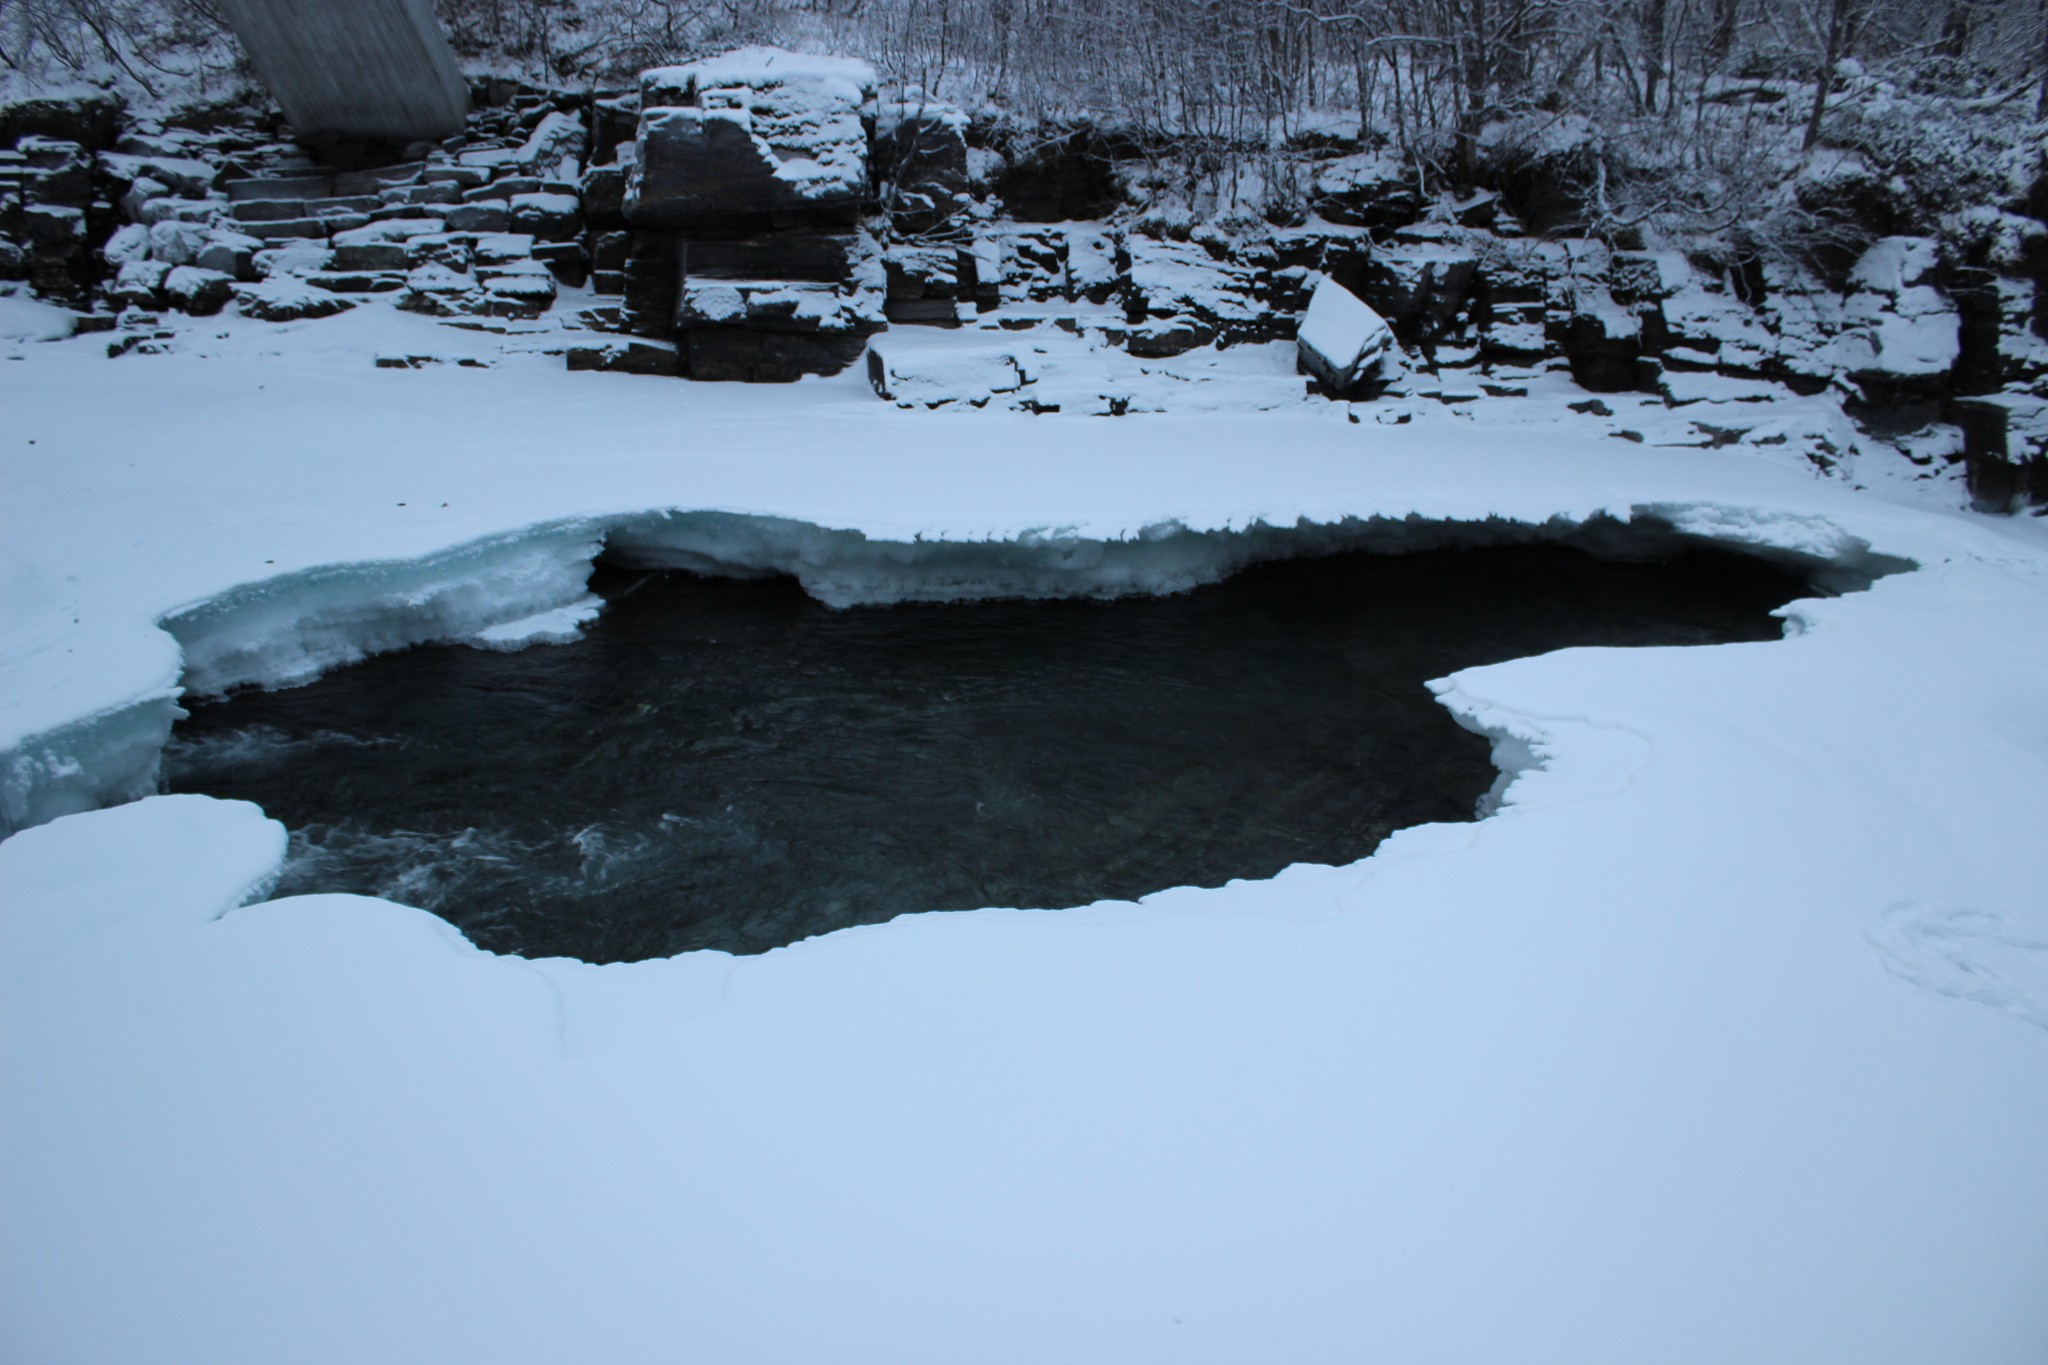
point(729, 764)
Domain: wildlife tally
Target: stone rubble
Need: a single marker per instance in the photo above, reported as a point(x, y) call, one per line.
point(764, 215)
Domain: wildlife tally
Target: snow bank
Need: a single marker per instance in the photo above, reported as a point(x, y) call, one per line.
point(28, 319)
point(1735, 1001)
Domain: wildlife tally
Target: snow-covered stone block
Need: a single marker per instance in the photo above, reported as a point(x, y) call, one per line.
point(772, 305)
point(195, 290)
point(759, 131)
point(1342, 341)
point(389, 230)
point(139, 284)
point(913, 375)
point(1900, 332)
point(287, 299)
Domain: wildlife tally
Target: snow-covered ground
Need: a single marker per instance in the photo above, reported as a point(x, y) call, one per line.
point(1726, 1038)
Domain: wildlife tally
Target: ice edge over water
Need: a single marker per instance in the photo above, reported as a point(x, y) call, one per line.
point(287, 631)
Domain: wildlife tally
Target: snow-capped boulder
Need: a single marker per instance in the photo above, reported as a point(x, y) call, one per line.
point(754, 132)
point(554, 150)
point(195, 290)
point(287, 299)
point(177, 243)
point(129, 243)
point(1343, 342)
point(546, 217)
point(139, 284)
point(231, 253)
point(1372, 189)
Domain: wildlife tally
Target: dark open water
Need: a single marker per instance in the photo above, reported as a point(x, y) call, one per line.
point(728, 764)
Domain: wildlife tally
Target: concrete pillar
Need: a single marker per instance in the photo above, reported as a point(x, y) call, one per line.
point(354, 68)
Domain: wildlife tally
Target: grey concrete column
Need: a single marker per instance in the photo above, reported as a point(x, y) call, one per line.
point(354, 68)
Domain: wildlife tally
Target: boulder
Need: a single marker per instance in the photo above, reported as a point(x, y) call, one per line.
point(2005, 449)
point(230, 253)
point(1372, 189)
point(554, 150)
point(604, 197)
point(546, 217)
point(732, 354)
point(178, 243)
point(198, 291)
point(1343, 343)
point(769, 306)
point(1421, 288)
point(911, 375)
point(371, 256)
point(53, 230)
point(1603, 344)
point(138, 285)
point(627, 357)
point(60, 172)
point(139, 195)
point(130, 243)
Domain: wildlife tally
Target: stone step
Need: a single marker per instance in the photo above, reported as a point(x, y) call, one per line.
point(356, 281)
point(289, 228)
point(281, 187)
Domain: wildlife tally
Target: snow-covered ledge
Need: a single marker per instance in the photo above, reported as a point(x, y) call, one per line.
point(1725, 1038)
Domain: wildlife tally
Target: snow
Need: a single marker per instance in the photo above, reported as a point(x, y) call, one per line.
point(1722, 1039)
point(23, 318)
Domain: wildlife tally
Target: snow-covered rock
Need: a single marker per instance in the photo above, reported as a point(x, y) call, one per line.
point(1901, 335)
point(286, 298)
point(758, 131)
point(1343, 342)
point(1370, 189)
point(197, 290)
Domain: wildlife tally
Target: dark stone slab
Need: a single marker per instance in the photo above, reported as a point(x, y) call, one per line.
point(700, 165)
point(371, 256)
point(630, 357)
point(485, 216)
point(731, 354)
point(823, 257)
point(281, 187)
point(375, 179)
point(356, 281)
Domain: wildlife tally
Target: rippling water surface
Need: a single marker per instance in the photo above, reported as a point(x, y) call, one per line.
point(726, 764)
